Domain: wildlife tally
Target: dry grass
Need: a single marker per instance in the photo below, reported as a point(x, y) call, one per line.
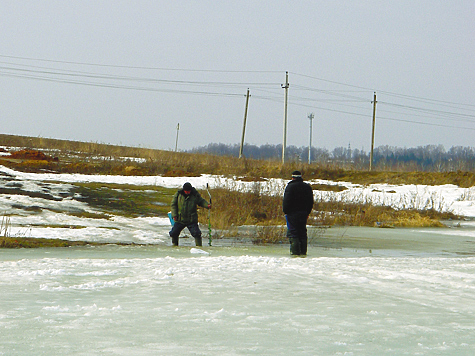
point(33, 242)
point(339, 212)
point(100, 158)
point(237, 208)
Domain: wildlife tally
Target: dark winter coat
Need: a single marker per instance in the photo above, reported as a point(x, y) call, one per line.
point(298, 197)
point(185, 207)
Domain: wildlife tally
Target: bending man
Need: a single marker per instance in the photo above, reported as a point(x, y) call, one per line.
point(185, 204)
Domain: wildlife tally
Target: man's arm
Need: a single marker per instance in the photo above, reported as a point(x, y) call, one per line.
point(310, 201)
point(175, 206)
point(202, 201)
point(286, 201)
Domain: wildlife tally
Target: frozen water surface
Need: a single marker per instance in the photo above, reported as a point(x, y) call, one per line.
point(237, 300)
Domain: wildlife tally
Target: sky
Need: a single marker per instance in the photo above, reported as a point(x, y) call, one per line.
point(128, 72)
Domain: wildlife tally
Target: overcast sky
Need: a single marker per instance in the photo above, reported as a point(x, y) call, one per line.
point(127, 72)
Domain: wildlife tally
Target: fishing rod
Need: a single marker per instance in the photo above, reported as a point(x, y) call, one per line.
point(209, 215)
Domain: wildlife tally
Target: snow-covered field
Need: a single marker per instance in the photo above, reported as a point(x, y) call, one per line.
point(155, 230)
point(382, 292)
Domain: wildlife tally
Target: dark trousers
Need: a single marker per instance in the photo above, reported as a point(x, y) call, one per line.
point(297, 232)
point(193, 228)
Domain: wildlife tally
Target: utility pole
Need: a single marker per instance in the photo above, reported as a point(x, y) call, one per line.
point(372, 134)
point(177, 130)
point(244, 125)
point(286, 88)
point(310, 116)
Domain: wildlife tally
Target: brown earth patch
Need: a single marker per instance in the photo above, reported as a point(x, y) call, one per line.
point(31, 155)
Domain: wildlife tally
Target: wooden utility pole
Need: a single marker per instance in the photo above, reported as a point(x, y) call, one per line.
point(286, 88)
point(310, 116)
point(244, 125)
point(372, 134)
point(176, 142)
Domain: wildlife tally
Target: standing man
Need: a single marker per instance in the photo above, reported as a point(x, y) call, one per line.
point(185, 204)
point(297, 206)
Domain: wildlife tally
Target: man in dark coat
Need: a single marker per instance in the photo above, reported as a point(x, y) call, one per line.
point(297, 206)
point(185, 204)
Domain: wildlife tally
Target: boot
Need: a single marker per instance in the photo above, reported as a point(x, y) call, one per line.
point(198, 241)
point(294, 246)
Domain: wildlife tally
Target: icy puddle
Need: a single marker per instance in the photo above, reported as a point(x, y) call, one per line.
point(245, 300)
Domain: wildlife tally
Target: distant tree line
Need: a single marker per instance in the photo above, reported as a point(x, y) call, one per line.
point(430, 158)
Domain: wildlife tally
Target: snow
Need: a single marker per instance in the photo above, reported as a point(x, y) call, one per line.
point(401, 196)
point(198, 251)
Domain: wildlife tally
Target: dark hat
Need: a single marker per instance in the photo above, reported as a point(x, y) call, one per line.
point(187, 186)
point(296, 174)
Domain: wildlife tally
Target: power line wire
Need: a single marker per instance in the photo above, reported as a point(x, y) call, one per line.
point(384, 118)
point(438, 112)
point(139, 67)
point(56, 75)
point(115, 86)
point(128, 78)
point(427, 124)
point(409, 97)
point(427, 100)
point(424, 116)
point(330, 81)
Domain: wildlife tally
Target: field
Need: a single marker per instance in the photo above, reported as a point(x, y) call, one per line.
point(233, 206)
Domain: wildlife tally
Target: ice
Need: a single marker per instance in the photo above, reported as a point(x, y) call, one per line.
point(160, 300)
point(198, 251)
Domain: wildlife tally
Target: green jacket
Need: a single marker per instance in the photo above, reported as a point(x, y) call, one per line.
point(185, 207)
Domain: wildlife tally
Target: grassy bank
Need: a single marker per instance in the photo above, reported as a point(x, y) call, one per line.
point(32, 242)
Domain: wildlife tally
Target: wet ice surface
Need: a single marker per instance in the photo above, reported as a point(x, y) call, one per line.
point(239, 300)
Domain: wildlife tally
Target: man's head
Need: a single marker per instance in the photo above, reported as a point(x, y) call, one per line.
point(296, 174)
point(187, 188)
